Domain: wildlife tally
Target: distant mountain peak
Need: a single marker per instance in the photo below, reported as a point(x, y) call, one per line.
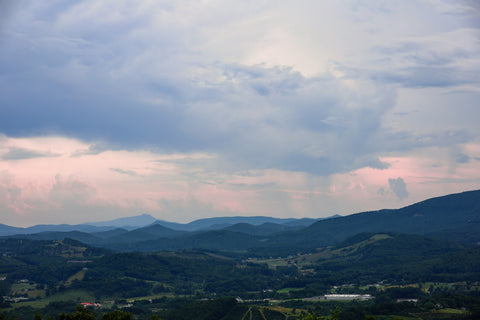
point(139, 221)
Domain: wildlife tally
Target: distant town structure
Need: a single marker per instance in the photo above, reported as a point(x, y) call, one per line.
point(91, 304)
point(342, 297)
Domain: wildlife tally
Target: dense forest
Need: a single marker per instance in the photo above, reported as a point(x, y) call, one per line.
point(54, 277)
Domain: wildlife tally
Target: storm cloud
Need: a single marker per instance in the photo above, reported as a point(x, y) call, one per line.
point(319, 91)
point(96, 73)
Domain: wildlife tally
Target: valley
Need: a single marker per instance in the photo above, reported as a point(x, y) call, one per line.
point(368, 264)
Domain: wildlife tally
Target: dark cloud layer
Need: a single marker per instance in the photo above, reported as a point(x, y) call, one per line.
point(133, 82)
point(187, 109)
point(22, 154)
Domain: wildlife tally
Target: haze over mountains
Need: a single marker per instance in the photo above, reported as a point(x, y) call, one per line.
point(144, 220)
point(453, 217)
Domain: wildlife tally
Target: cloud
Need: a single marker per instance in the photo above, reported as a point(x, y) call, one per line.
point(186, 97)
point(72, 191)
point(263, 115)
point(10, 194)
point(462, 158)
point(93, 149)
point(122, 171)
point(22, 154)
point(406, 141)
point(295, 122)
point(189, 208)
point(183, 187)
point(398, 187)
point(7, 8)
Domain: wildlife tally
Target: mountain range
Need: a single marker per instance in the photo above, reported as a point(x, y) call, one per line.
point(454, 217)
point(144, 220)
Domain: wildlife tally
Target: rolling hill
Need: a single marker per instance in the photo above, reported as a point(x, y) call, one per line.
point(456, 214)
point(453, 217)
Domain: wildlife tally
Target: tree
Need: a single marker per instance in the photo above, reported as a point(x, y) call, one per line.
point(312, 316)
point(81, 313)
point(117, 315)
point(334, 315)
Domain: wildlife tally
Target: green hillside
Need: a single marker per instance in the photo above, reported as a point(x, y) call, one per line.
point(197, 284)
point(458, 214)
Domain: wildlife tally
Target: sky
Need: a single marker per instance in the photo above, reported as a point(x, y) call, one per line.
point(193, 109)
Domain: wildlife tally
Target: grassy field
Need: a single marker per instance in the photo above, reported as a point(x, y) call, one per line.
point(157, 296)
point(77, 276)
point(70, 295)
point(443, 314)
point(287, 290)
point(21, 288)
point(288, 311)
point(305, 260)
point(452, 311)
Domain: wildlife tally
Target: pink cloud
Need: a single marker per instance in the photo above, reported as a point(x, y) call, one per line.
point(73, 187)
